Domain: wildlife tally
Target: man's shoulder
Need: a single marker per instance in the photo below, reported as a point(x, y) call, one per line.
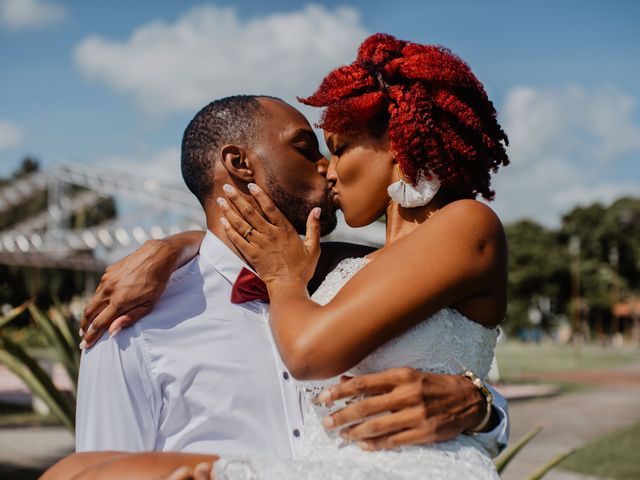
point(184, 296)
point(196, 268)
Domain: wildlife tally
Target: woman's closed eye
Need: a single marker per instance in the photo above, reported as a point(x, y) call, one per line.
point(339, 150)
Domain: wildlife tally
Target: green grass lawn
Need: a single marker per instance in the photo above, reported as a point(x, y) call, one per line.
point(516, 359)
point(612, 456)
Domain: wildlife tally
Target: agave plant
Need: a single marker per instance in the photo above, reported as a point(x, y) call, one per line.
point(59, 334)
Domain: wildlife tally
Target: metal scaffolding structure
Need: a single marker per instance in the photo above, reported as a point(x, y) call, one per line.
point(45, 239)
point(22, 189)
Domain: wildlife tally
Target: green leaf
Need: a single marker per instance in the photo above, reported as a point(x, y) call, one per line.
point(71, 338)
point(65, 353)
point(545, 468)
point(505, 457)
point(13, 313)
point(37, 380)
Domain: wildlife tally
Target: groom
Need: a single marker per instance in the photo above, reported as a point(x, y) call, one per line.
point(200, 373)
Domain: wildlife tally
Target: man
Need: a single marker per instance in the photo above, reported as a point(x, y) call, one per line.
point(200, 373)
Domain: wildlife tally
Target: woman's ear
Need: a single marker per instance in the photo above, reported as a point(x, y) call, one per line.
point(237, 163)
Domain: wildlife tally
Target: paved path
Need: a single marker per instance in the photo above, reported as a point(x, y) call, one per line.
point(573, 419)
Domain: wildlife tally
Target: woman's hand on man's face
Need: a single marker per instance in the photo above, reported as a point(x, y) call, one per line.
point(267, 239)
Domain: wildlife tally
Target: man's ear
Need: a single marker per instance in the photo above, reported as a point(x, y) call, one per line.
point(235, 160)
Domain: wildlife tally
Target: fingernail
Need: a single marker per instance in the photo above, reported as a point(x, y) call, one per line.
point(252, 187)
point(115, 332)
point(316, 212)
point(363, 445)
point(224, 222)
point(221, 201)
point(83, 344)
point(227, 188)
point(325, 396)
point(328, 422)
point(81, 332)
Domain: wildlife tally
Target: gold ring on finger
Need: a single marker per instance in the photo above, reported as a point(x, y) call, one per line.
point(248, 232)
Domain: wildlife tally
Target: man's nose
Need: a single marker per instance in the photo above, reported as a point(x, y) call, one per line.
point(322, 166)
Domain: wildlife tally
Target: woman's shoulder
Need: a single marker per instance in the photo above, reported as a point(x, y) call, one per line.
point(464, 227)
point(476, 219)
point(473, 211)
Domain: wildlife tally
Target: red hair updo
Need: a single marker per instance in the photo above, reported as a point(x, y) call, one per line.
point(438, 116)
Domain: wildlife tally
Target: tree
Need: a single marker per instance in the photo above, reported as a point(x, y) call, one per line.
point(538, 267)
point(27, 166)
point(609, 266)
point(610, 251)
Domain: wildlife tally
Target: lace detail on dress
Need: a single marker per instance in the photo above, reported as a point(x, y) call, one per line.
point(446, 342)
point(336, 279)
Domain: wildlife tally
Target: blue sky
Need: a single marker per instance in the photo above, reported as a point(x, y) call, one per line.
point(114, 83)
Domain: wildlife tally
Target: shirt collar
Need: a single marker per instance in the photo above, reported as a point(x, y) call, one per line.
point(222, 258)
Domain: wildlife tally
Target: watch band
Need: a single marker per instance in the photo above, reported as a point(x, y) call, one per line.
point(488, 396)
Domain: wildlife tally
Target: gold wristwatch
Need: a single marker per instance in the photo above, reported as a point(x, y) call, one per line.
point(488, 396)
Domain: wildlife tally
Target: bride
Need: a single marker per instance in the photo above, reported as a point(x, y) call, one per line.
point(412, 136)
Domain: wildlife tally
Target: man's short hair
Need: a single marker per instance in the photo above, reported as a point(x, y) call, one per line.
point(229, 120)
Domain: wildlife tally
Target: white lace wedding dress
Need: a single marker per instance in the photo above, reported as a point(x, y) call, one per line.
point(447, 342)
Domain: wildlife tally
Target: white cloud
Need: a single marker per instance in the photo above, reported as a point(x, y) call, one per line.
point(210, 52)
point(564, 143)
point(10, 135)
point(24, 14)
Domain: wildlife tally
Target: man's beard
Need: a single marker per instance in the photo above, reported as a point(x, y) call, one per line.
point(297, 208)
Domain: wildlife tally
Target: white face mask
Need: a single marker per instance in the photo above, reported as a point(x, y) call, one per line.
point(418, 195)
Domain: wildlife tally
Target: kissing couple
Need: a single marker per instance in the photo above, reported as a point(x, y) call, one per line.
point(252, 353)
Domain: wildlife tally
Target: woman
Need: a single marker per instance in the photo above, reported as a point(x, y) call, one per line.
point(413, 136)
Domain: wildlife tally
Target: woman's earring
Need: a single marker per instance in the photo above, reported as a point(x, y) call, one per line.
point(411, 196)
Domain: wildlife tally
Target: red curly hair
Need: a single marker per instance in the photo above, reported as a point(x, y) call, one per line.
point(438, 116)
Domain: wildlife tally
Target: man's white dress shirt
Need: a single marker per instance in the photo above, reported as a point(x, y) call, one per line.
point(198, 374)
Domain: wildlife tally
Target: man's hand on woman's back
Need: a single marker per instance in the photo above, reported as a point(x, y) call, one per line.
point(128, 290)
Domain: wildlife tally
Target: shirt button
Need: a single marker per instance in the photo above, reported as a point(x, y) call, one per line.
point(296, 433)
point(285, 375)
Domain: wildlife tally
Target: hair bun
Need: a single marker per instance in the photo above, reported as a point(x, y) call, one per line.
point(379, 49)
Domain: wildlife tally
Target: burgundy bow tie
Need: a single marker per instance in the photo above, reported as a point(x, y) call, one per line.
point(248, 287)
